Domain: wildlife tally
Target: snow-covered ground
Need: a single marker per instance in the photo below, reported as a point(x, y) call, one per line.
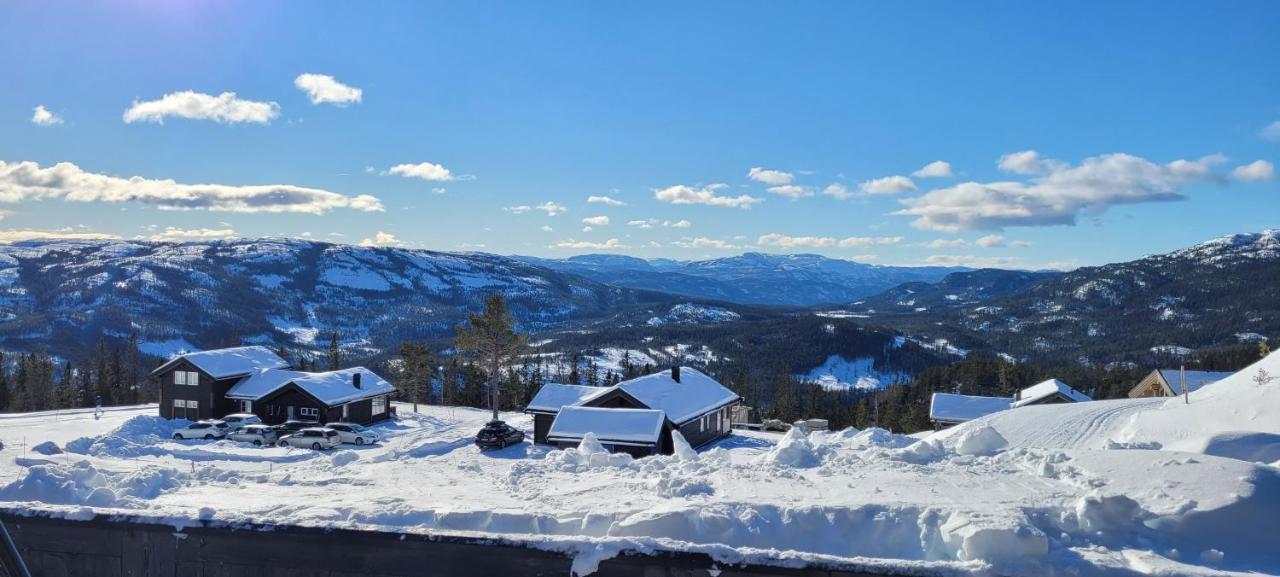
point(840, 373)
point(1108, 487)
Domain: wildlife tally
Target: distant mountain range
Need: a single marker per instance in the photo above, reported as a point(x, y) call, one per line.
point(752, 278)
point(1219, 292)
point(63, 296)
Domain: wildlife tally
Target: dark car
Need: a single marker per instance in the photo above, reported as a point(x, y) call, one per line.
point(498, 435)
point(291, 427)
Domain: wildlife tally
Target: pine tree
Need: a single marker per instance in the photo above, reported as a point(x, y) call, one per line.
point(490, 337)
point(5, 398)
point(335, 353)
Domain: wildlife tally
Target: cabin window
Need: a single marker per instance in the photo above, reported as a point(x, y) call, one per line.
point(186, 378)
point(346, 410)
point(246, 406)
point(308, 411)
point(180, 403)
point(378, 404)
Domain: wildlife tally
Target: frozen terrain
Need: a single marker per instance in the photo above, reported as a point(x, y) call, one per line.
point(840, 373)
point(1111, 487)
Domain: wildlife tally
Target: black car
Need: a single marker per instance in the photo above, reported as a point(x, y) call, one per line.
point(291, 427)
point(498, 435)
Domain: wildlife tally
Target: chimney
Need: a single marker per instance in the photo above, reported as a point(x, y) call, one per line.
point(355, 379)
point(675, 373)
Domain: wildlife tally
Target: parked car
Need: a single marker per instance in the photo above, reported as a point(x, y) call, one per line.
point(259, 435)
point(202, 430)
point(497, 435)
point(353, 433)
point(291, 427)
point(237, 420)
point(314, 437)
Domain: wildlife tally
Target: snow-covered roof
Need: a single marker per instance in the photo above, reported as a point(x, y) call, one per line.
point(695, 394)
point(1195, 379)
point(330, 387)
point(552, 396)
point(953, 408)
point(231, 362)
point(1041, 391)
point(609, 425)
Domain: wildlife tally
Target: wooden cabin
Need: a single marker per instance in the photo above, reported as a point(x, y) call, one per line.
point(253, 379)
point(690, 402)
point(548, 401)
point(1048, 392)
point(949, 409)
point(1168, 382)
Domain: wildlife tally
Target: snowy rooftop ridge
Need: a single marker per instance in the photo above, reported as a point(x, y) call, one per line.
point(608, 424)
point(553, 396)
point(694, 394)
point(951, 407)
point(230, 362)
point(329, 387)
point(1041, 391)
point(1195, 379)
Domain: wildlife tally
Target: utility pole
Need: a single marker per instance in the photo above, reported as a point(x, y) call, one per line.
point(1182, 376)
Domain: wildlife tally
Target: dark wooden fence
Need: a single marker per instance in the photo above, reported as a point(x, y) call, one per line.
point(118, 547)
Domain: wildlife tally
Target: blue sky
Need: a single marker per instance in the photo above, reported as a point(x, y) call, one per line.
point(1073, 133)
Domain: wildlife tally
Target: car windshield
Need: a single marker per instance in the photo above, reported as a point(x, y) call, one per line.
point(357, 428)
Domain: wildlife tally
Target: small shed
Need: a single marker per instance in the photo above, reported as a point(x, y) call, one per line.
point(1168, 382)
point(947, 409)
point(634, 431)
point(1047, 393)
point(548, 401)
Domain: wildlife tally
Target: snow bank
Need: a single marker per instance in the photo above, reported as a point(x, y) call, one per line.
point(794, 450)
point(81, 483)
point(980, 440)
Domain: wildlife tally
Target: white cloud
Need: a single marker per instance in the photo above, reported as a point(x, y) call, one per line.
point(12, 236)
point(861, 241)
point(703, 242)
point(973, 261)
point(682, 194)
point(1271, 131)
point(771, 177)
point(935, 169)
point(792, 191)
point(424, 170)
point(864, 257)
point(1027, 162)
point(23, 181)
point(587, 229)
point(546, 228)
point(611, 244)
point(789, 242)
point(225, 108)
point(42, 117)
point(596, 220)
point(551, 208)
point(381, 239)
point(1256, 170)
point(838, 190)
point(323, 89)
point(517, 209)
point(887, 185)
point(992, 241)
point(653, 223)
point(171, 234)
point(943, 243)
point(1057, 196)
point(439, 190)
point(601, 199)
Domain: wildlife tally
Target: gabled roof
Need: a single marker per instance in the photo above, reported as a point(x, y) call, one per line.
point(1195, 379)
point(230, 362)
point(627, 426)
point(552, 396)
point(1041, 391)
point(695, 394)
point(331, 387)
point(953, 408)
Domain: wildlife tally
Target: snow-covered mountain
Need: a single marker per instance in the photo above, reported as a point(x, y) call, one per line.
point(751, 278)
point(62, 296)
point(1218, 292)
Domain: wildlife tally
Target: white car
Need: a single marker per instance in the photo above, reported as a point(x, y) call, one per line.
point(314, 437)
point(202, 430)
point(259, 435)
point(354, 433)
point(237, 420)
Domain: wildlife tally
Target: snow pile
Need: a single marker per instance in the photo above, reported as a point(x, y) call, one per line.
point(135, 437)
point(47, 448)
point(80, 483)
point(589, 454)
point(794, 450)
point(980, 440)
